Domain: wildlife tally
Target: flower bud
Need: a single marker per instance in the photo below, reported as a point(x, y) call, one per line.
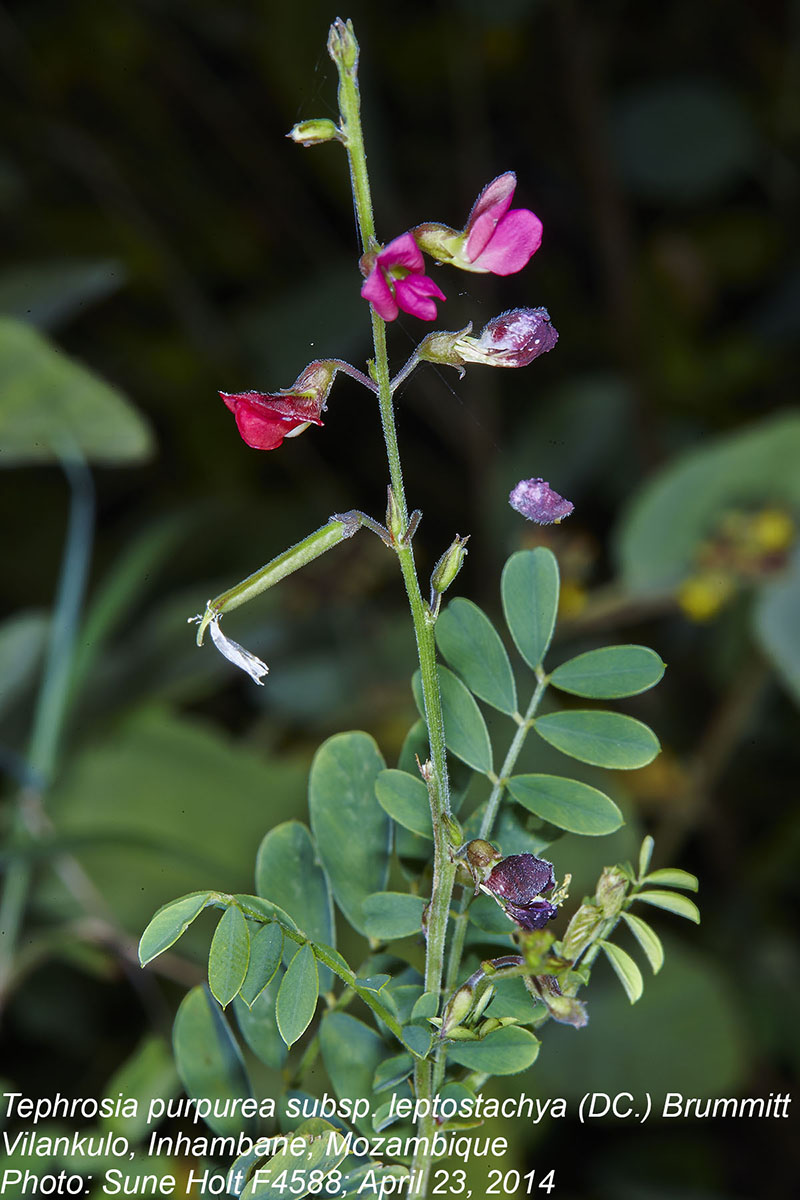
point(449, 565)
point(611, 888)
point(516, 883)
point(316, 131)
point(481, 857)
point(457, 1009)
point(342, 44)
point(536, 500)
point(581, 931)
point(564, 1009)
point(394, 518)
point(512, 339)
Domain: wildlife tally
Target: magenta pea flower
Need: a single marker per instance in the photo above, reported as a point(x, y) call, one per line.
point(497, 238)
point(397, 281)
point(264, 419)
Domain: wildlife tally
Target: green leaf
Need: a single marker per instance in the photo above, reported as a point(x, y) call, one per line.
point(426, 1006)
point(504, 1052)
point(405, 798)
point(209, 1061)
point(229, 956)
point(352, 832)
point(325, 1149)
point(266, 947)
point(648, 939)
point(626, 970)
point(169, 923)
point(259, 1027)
point(472, 646)
point(288, 872)
point(566, 803)
point(352, 1053)
point(673, 877)
point(418, 1039)
point(530, 586)
point(610, 672)
point(48, 403)
point(674, 513)
point(604, 739)
point(645, 854)
point(390, 915)
point(392, 1071)
point(297, 996)
point(682, 906)
point(465, 731)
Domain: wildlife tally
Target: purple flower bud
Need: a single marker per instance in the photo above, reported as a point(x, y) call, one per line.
point(517, 882)
point(537, 501)
point(521, 878)
point(517, 337)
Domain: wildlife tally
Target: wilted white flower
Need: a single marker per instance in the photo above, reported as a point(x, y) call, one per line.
point(235, 653)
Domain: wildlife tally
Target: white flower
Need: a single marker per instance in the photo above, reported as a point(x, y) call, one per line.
point(235, 653)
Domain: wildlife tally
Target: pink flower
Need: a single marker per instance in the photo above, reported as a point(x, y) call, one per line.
point(396, 282)
point(265, 419)
point(501, 239)
point(497, 237)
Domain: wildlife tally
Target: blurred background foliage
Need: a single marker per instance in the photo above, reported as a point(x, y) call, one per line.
point(164, 240)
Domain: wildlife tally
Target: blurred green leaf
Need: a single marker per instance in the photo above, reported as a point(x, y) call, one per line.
point(626, 971)
point(648, 939)
point(504, 1052)
point(603, 739)
point(153, 788)
point(47, 402)
point(209, 1061)
point(169, 924)
point(776, 627)
point(352, 832)
point(530, 587)
point(149, 1074)
point(297, 995)
point(661, 530)
point(23, 638)
point(472, 646)
point(405, 798)
point(47, 294)
point(609, 673)
point(289, 873)
point(567, 803)
point(673, 902)
point(266, 948)
point(352, 1053)
point(465, 731)
point(390, 915)
point(229, 956)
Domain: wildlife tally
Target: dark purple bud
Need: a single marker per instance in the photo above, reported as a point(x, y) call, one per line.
point(517, 337)
point(537, 501)
point(521, 878)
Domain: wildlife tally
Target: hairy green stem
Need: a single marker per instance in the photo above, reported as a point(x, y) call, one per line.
point(461, 920)
point(438, 789)
point(54, 693)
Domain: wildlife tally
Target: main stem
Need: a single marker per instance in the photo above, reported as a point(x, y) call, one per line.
point(438, 784)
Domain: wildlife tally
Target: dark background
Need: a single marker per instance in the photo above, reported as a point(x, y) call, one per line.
point(160, 227)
